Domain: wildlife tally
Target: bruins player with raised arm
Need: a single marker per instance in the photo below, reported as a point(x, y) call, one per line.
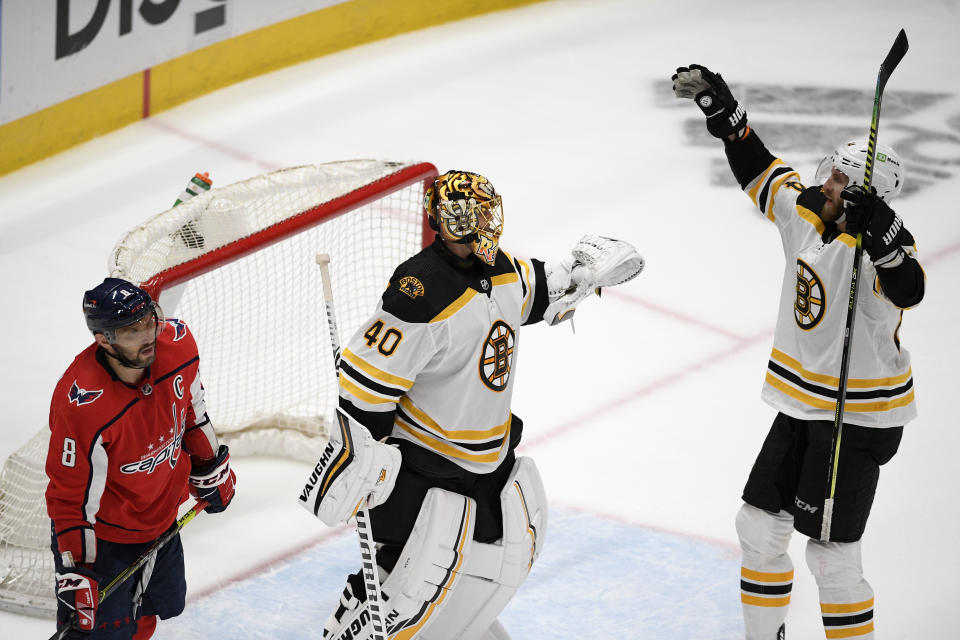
point(787, 485)
point(458, 518)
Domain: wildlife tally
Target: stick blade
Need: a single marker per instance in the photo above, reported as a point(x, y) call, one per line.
point(897, 51)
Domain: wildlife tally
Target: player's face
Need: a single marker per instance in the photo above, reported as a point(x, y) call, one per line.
point(832, 188)
point(137, 342)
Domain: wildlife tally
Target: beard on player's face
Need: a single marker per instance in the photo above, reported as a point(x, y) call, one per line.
point(832, 189)
point(136, 357)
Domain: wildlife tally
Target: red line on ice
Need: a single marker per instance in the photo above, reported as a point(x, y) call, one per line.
point(212, 144)
point(586, 418)
point(264, 566)
point(615, 517)
point(676, 315)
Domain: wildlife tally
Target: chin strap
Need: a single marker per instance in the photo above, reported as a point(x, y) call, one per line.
point(124, 361)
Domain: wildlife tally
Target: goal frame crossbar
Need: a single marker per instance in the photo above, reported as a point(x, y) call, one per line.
point(422, 172)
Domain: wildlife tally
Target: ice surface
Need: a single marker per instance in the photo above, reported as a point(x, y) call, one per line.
point(645, 422)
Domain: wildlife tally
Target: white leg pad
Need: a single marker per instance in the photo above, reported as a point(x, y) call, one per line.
point(430, 564)
point(428, 567)
point(495, 632)
point(445, 585)
point(495, 571)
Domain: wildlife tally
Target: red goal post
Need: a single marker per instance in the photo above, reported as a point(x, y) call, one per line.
point(237, 264)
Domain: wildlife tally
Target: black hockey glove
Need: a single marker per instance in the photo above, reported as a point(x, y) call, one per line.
point(725, 116)
point(882, 229)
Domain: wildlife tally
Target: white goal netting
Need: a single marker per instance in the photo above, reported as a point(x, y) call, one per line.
point(237, 264)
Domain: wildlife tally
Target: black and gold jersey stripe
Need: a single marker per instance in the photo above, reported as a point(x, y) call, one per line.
point(465, 444)
point(368, 383)
point(820, 391)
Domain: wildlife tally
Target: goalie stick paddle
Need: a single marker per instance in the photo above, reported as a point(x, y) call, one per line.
point(897, 51)
point(371, 580)
point(124, 575)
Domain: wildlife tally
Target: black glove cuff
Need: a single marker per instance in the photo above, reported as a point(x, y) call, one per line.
point(199, 470)
point(727, 121)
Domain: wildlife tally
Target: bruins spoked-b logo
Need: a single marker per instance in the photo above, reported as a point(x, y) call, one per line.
point(496, 358)
point(811, 298)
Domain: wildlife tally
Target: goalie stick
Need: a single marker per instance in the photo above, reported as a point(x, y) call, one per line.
point(132, 568)
point(897, 51)
point(371, 580)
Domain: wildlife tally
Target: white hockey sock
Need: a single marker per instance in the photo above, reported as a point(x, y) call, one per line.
point(846, 598)
point(766, 574)
point(765, 597)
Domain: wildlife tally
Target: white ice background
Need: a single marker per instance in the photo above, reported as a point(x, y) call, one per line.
point(644, 422)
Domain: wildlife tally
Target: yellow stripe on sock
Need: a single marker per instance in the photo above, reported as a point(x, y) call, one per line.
point(852, 607)
point(850, 632)
point(764, 602)
point(758, 576)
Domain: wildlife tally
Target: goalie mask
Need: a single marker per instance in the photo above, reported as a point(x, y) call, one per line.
point(851, 159)
point(463, 207)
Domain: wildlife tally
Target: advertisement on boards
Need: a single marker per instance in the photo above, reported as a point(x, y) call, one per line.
point(57, 49)
point(1, 51)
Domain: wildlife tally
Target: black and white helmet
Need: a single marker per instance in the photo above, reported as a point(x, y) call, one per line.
point(851, 159)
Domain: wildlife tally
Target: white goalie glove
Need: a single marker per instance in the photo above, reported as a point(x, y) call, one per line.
point(594, 263)
point(352, 468)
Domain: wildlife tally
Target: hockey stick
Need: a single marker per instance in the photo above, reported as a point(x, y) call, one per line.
point(371, 580)
point(124, 575)
point(897, 51)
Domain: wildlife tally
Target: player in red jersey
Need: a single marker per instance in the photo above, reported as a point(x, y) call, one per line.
point(130, 439)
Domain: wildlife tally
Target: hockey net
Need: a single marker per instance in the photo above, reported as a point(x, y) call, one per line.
point(237, 264)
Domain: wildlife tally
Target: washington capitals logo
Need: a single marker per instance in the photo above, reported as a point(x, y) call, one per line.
point(82, 396)
point(179, 329)
point(170, 451)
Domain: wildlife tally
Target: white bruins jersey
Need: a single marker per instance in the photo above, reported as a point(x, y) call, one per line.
point(803, 373)
point(440, 352)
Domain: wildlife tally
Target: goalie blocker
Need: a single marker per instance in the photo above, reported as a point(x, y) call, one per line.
point(446, 584)
point(352, 467)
